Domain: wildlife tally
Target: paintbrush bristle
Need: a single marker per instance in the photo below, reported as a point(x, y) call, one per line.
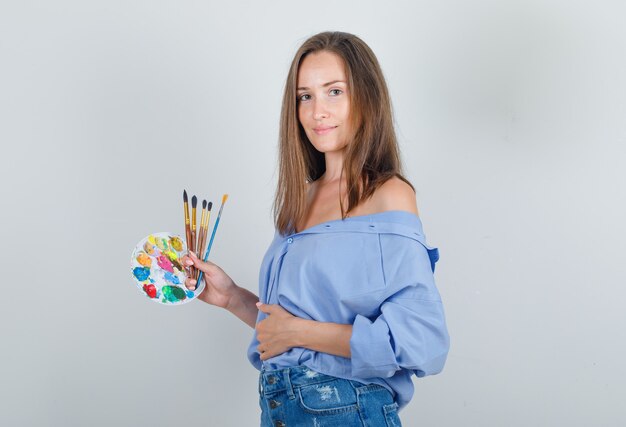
point(224, 198)
point(210, 205)
point(185, 196)
point(204, 204)
point(194, 201)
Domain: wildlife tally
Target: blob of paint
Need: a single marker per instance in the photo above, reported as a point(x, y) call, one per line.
point(171, 278)
point(144, 259)
point(171, 255)
point(165, 263)
point(189, 293)
point(150, 290)
point(177, 265)
point(161, 243)
point(141, 273)
point(149, 247)
point(176, 243)
point(173, 293)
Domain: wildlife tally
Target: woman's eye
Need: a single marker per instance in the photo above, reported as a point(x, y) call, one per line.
point(338, 90)
point(302, 97)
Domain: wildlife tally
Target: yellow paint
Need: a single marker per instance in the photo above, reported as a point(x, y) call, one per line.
point(171, 255)
point(176, 243)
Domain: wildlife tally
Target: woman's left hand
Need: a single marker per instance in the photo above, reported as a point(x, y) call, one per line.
point(278, 332)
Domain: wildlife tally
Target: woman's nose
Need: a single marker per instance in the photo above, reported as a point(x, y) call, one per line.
point(319, 111)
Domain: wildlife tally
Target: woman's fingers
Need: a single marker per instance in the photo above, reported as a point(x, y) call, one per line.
point(191, 259)
point(198, 263)
point(187, 262)
point(190, 283)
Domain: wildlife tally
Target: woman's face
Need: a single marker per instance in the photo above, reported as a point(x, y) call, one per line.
point(323, 101)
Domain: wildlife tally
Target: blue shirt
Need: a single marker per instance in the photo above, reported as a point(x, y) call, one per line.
point(374, 272)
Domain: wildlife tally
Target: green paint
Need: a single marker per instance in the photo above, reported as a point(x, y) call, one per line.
point(173, 293)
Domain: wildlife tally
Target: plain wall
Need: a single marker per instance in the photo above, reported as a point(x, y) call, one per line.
point(511, 122)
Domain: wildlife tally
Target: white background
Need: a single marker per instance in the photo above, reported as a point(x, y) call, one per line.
point(511, 120)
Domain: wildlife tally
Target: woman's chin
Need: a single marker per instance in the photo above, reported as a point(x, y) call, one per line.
point(328, 146)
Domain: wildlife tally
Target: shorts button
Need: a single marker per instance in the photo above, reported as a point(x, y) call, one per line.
point(274, 404)
point(271, 380)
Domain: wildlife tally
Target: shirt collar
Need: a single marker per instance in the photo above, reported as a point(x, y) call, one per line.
point(400, 223)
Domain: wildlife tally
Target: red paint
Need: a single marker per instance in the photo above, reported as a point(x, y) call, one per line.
point(150, 290)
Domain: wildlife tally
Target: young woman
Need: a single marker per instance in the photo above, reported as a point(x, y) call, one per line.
point(348, 305)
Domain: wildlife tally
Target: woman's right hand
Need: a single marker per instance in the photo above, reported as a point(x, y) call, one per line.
point(219, 287)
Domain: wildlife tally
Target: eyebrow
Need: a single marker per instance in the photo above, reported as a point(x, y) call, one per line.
point(324, 85)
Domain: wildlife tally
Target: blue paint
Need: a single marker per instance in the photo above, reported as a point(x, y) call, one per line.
point(141, 273)
point(189, 293)
point(170, 277)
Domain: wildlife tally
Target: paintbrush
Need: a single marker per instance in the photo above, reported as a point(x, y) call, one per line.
point(217, 222)
point(199, 235)
point(204, 227)
point(187, 229)
point(194, 203)
point(200, 232)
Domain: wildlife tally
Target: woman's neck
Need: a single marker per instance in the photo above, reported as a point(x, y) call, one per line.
point(334, 165)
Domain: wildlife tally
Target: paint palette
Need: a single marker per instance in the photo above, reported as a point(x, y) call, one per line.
point(155, 266)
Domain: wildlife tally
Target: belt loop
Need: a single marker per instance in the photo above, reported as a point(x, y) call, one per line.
point(260, 382)
point(289, 387)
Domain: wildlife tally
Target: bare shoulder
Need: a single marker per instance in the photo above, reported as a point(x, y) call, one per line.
point(395, 194)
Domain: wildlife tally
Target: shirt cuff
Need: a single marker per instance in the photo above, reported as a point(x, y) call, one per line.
point(370, 349)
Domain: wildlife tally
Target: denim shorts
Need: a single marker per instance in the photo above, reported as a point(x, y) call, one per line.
point(299, 396)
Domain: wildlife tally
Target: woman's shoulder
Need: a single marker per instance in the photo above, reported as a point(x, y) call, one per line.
point(394, 194)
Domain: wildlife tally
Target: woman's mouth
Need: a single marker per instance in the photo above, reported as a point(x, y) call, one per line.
point(323, 130)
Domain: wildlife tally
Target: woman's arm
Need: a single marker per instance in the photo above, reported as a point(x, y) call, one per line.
point(281, 330)
point(327, 337)
point(242, 304)
point(221, 290)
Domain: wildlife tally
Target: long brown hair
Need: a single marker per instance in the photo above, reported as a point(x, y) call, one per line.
point(371, 157)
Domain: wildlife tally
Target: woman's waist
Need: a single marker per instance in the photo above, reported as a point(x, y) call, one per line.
point(327, 366)
point(273, 379)
point(297, 375)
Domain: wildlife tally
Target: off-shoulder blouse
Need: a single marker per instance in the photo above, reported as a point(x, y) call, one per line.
point(374, 272)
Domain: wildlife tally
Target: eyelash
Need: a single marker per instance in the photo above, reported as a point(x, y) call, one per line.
point(299, 98)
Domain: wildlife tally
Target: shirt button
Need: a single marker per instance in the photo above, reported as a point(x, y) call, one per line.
point(271, 380)
point(289, 240)
point(280, 424)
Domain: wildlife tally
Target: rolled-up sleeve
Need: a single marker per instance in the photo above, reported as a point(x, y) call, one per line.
point(410, 331)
